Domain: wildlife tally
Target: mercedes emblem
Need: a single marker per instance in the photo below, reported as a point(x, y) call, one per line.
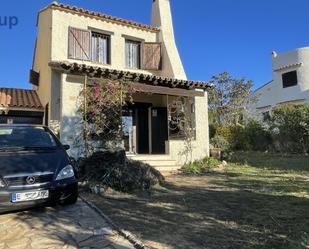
point(30, 180)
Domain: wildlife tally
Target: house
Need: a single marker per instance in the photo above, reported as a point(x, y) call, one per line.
point(76, 46)
point(20, 106)
point(290, 83)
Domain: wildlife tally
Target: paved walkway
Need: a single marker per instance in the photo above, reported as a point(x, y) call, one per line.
point(76, 226)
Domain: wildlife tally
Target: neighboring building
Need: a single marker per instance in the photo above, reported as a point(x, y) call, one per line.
point(73, 43)
point(20, 106)
point(290, 83)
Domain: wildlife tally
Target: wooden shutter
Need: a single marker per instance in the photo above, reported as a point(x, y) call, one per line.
point(79, 44)
point(34, 78)
point(151, 56)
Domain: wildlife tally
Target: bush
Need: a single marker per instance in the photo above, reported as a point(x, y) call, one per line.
point(286, 131)
point(212, 130)
point(289, 125)
point(225, 132)
point(114, 170)
point(240, 139)
point(259, 138)
point(252, 136)
point(220, 142)
point(201, 166)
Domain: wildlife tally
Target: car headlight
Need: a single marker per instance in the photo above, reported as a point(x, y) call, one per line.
point(2, 183)
point(66, 172)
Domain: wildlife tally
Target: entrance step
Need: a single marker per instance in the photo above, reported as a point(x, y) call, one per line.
point(163, 163)
point(148, 157)
point(168, 168)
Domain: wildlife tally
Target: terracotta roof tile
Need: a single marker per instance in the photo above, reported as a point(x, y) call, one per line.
point(98, 72)
point(78, 10)
point(19, 98)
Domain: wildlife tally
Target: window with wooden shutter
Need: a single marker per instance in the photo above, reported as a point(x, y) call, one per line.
point(152, 56)
point(79, 44)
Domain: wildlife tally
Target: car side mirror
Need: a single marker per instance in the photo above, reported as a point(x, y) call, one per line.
point(66, 147)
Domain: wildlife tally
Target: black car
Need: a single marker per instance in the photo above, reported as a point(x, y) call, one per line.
point(35, 169)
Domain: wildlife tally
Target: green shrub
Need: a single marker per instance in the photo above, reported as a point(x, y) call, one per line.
point(252, 136)
point(240, 140)
point(259, 138)
point(225, 131)
point(212, 130)
point(201, 166)
point(220, 142)
point(289, 125)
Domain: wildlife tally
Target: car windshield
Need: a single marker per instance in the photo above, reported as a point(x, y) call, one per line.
point(25, 138)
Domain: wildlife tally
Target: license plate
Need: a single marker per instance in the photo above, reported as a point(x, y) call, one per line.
point(30, 196)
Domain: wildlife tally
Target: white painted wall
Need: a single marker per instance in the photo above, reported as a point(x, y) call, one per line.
point(71, 119)
point(200, 146)
point(273, 93)
point(162, 18)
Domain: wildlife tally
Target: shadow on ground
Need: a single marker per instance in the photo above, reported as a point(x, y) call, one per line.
point(215, 211)
point(75, 226)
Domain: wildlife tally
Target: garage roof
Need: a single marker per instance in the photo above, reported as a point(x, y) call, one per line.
point(19, 98)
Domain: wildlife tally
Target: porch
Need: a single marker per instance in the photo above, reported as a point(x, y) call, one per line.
point(153, 123)
point(156, 126)
point(152, 120)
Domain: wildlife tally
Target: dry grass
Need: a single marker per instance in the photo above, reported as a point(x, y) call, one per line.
point(260, 201)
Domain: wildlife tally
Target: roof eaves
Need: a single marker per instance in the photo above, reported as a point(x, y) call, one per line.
point(117, 20)
point(132, 76)
point(19, 98)
point(259, 88)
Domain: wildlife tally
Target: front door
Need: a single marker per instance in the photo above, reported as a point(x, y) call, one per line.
point(142, 123)
point(151, 130)
point(159, 132)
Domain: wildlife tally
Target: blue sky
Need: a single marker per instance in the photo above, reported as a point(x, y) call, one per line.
point(212, 35)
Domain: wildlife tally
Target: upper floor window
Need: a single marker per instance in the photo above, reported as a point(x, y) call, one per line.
point(88, 45)
point(289, 79)
point(133, 54)
point(100, 48)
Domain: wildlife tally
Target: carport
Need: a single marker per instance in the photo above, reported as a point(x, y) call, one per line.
point(20, 106)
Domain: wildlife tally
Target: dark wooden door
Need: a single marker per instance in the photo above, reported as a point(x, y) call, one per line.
point(159, 130)
point(142, 124)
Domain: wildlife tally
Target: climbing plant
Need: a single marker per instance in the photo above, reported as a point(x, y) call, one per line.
point(101, 106)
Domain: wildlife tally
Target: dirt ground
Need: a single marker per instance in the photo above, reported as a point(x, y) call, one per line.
point(262, 202)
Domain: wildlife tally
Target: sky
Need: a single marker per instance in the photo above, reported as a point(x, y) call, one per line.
point(212, 36)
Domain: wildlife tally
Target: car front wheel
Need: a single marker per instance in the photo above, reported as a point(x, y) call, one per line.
point(72, 199)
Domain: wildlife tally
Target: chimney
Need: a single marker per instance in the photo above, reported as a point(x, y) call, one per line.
point(274, 54)
point(162, 18)
point(162, 15)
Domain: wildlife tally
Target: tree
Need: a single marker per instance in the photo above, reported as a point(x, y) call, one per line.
point(228, 98)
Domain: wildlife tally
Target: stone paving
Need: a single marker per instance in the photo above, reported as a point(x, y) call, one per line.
point(76, 226)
